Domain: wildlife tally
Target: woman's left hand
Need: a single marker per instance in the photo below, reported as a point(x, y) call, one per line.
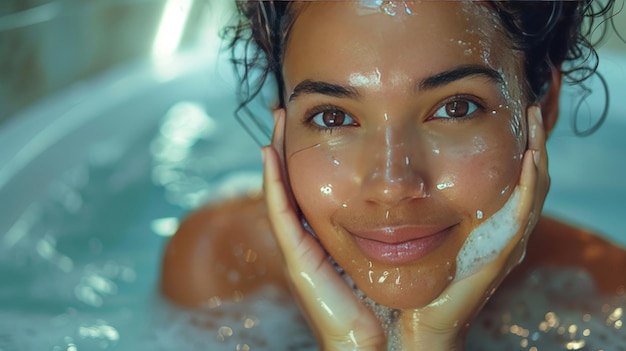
point(443, 324)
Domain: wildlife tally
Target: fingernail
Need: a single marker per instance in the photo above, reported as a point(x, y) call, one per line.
point(536, 157)
point(263, 153)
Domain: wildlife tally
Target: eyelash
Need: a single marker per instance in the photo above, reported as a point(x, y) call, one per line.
point(314, 112)
point(479, 107)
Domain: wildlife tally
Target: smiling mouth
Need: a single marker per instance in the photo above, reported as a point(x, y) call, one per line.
point(400, 245)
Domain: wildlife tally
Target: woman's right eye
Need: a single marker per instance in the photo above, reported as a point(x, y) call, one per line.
point(332, 119)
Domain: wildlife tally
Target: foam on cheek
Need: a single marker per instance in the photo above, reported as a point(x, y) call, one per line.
point(488, 240)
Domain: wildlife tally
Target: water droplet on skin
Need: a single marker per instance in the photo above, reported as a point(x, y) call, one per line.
point(383, 277)
point(326, 189)
point(479, 214)
point(446, 185)
point(344, 205)
point(250, 256)
point(505, 190)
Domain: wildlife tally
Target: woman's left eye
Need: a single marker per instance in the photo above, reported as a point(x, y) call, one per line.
point(456, 109)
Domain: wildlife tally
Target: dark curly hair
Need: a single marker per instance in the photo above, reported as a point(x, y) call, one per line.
point(550, 33)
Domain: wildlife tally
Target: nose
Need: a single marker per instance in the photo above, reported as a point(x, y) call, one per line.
point(395, 167)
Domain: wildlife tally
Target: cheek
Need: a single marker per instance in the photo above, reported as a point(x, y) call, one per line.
point(477, 176)
point(321, 183)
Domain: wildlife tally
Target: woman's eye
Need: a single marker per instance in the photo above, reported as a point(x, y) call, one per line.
point(456, 109)
point(332, 118)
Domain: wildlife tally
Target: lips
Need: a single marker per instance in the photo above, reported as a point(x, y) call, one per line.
point(399, 245)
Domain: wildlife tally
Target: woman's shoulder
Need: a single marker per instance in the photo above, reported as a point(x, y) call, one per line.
point(221, 252)
point(555, 243)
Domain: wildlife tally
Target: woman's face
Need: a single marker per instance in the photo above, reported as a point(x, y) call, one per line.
point(404, 132)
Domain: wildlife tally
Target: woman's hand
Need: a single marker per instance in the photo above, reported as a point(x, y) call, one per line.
point(443, 324)
point(337, 316)
point(340, 320)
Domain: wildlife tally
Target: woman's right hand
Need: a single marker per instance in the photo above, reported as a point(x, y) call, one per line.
point(337, 316)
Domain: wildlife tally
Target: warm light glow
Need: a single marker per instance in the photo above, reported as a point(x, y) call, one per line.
point(172, 25)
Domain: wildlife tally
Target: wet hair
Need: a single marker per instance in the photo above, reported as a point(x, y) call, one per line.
point(552, 34)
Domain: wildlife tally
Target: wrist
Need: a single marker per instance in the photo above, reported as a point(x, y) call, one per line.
point(415, 335)
point(351, 343)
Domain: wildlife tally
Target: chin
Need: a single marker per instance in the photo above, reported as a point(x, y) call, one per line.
point(404, 288)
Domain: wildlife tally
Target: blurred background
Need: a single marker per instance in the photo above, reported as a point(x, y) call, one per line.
point(48, 45)
point(116, 120)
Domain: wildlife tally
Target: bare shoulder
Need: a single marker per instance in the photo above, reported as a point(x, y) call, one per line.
point(221, 251)
point(554, 243)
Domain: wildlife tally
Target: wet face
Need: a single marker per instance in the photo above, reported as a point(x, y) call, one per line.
point(404, 132)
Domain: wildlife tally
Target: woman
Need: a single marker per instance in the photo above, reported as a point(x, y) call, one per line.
point(409, 148)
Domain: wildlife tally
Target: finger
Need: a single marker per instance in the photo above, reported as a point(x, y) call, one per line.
point(537, 141)
point(335, 312)
point(534, 166)
point(287, 228)
point(278, 136)
point(534, 183)
point(278, 144)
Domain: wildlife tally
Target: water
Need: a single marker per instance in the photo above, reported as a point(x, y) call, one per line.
point(94, 180)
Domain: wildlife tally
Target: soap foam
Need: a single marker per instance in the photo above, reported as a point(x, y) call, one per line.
point(487, 240)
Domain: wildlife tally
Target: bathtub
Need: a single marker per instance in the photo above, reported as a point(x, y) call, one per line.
point(94, 179)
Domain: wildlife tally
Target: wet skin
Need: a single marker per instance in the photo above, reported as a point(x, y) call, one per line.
point(427, 136)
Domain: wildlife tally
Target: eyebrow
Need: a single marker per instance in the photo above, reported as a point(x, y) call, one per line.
point(309, 86)
point(457, 73)
point(316, 87)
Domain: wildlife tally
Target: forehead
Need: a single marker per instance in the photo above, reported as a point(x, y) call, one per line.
point(335, 36)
